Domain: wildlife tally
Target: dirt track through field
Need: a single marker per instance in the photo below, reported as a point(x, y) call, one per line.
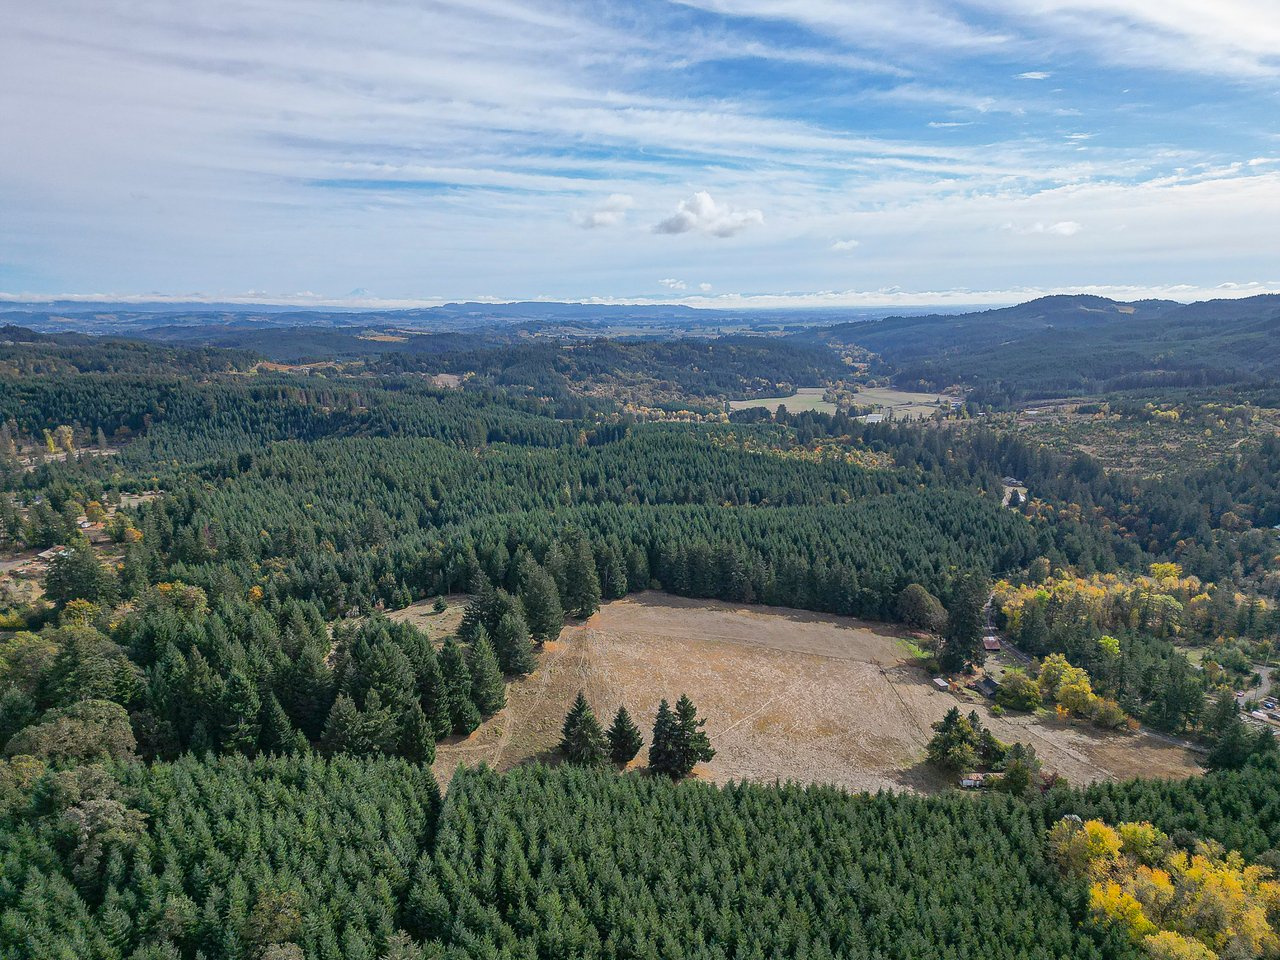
point(788, 695)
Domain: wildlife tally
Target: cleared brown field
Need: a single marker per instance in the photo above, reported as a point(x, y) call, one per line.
point(423, 615)
point(787, 694)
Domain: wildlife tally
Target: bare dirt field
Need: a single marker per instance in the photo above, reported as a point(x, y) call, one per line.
point(787, 695)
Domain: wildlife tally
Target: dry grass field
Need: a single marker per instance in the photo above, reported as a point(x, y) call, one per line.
point(805, 398)
point(438, 625)
point(905, 404)
point(787, 694)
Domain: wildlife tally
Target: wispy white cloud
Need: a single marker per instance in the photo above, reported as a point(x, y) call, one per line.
point(1063, 228)
point(409, 147)
point(609, 212)
point(673, 284)
point(845, 246)
point(701, 214)
point(1034, 75)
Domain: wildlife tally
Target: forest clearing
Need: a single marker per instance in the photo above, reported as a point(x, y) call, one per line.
point(805, 398)
point(904, 404)
point(789, 695)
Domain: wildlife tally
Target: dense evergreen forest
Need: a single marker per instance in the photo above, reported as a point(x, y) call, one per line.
point(1073, 345)
point(216, 744)
point(228, 857)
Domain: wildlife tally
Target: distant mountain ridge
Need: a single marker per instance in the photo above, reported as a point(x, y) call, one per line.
point(1062, 345)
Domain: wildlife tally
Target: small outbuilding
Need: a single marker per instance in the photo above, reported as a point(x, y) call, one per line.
point(991, 644)
point(941, 683)
point(987, 687)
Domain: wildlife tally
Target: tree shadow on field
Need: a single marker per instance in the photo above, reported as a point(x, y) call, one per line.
point(923, 777)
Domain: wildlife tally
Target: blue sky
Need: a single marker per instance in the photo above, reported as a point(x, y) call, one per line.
point(726, 152)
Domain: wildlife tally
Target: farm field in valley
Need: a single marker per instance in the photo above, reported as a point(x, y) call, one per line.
point(788, 695)
point(805, 398)
point(905, 404)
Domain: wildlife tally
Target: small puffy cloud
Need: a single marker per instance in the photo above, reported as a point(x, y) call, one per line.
point(609, 212)
point(844, 246)
point(671, 283)
point(704, 287)
point(1063, 228)
point(701, 214)
point(1034, 75)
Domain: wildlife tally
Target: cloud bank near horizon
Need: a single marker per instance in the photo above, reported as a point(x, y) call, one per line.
point(677, 296)
point(524, 149)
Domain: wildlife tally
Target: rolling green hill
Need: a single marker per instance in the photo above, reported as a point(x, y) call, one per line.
point(1066, 345)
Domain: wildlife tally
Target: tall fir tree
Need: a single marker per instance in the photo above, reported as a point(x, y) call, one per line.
point(487, 689)
point(663, 743)
point(456, 682)
point(541, 602)
point(962, 640)
point(241, 710)
point(342, 731)
point(582, 741)
point(624, 738)
point(695, 745)
point(582, 583)
point(511, 644)
point(279, 735)
point(679, 742)
point(417, 738)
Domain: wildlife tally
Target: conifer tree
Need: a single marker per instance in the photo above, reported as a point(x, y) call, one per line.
point(481, 609)
point(343, 731)
point(679, 742)
point(417, 738)
point(962, 641)
point(432, 696)
point(541, 602)
point(582, 741)
point(380, 727)
point(241, 710)
point(456, 682)
point(487, 689)
point(663, 743)
point(279, 735)
point(306, 690)
point(624, 738)
point(695, 745)
point(78, 574)
point(511, 644)
point(582, 583)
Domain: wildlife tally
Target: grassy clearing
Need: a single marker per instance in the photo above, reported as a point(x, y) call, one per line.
point(806, 398)
point(788, 695)
point(904, 404)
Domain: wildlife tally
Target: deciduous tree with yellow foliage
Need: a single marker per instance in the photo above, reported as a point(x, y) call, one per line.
point(1178, 905)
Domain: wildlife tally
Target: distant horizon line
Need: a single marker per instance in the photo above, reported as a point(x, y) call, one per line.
point(889, 298)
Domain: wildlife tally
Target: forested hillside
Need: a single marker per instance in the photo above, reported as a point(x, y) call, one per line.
point(218, 743)
point(1064, 346)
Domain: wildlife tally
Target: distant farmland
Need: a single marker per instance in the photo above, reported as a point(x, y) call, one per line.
point(806, 398)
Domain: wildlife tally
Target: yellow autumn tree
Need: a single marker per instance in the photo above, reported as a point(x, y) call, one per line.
point(1200, 905)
